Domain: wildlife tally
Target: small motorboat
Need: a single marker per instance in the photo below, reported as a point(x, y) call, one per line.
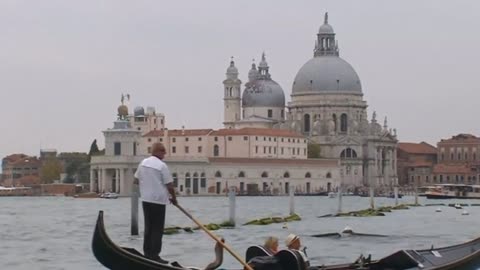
point(109, 195)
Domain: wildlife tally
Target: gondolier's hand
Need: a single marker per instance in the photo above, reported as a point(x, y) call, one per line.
point(173, 201)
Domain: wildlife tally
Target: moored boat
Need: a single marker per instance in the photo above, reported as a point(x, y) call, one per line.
point(464, 256)
point(453, 191)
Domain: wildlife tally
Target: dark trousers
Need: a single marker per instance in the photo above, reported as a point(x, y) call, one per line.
point(154, 215)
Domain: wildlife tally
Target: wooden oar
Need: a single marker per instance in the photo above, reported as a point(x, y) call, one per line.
point(248, 267)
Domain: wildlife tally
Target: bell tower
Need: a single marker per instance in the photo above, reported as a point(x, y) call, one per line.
point(231, 100)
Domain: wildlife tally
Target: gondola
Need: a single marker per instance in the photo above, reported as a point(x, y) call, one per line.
point(464, 256)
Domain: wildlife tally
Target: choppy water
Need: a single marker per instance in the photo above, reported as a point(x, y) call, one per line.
point(55, 232)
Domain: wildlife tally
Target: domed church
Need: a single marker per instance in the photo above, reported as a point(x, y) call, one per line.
point(326, 106)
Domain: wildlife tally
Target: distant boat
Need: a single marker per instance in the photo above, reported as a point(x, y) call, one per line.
point(332, 195)
point(109, 195)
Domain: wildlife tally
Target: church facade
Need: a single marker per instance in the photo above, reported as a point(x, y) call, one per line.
point(263, 146)
point(326, 106)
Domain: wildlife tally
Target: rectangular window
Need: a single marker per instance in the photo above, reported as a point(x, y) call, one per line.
point(199, 149)
point(256, 138)
point(174, 149)
point(203, 182)
point(270, 113)
point(117, 148)
point(149, 150)
point(269, 139)
point(199, 139)
point(275, 150)
point(186, 139)
point(264, 138)
point(186, 149)
point(174, 140)
point(281, 114)
point(256, 149)
point(149, 139)
point(269, 149)
point(281, 150)
point(215, 139)
point(264, 149)
point(134, 148)
point(282, 139)
point(245, 138)
point(160, 140)
point(230, 138)
point(187, 183)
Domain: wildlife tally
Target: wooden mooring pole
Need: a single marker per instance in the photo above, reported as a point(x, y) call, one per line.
point(291, 194)
point(134, 216)
point(231, 198)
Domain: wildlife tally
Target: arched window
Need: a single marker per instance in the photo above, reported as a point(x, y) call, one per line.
point(216, 150)
point(286, 175)
point(308, 175)
point(175, 179)
point(203, 180)
point(343, 123)
point(306, 123)
point(187, 180)
point(329, 175)
point(264, 174)
point(348, 153)
point(241, 174)
point(218, 174)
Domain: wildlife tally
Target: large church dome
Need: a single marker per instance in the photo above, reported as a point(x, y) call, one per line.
point(328, 73)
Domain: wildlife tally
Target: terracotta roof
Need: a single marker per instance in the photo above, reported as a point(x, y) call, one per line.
point(14, 157)
point(273, 161)
point(417, 148)
point(257, 131)
point(451, 168)
point(226, 132)
point(179, 132)
point(461, 138)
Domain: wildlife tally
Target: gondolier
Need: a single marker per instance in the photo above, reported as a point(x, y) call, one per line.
point(156, 190)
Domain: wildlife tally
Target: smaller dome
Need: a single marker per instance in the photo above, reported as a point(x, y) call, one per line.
point(263, 93)
point(232, 69)
point(122, 110)
point(138, 111)
point(326, 29)
point(253, 73)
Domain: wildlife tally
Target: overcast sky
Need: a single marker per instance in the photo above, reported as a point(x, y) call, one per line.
point(64, 64)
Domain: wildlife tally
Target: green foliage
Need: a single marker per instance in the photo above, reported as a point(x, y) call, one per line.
point(314, 150)
point(50, 171)
point(77, 167)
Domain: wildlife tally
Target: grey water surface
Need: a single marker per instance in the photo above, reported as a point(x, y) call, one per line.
point(55, 232)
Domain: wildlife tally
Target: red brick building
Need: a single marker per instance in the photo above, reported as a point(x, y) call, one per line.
point(415, 162)
point(20, 168)
point(458, 160)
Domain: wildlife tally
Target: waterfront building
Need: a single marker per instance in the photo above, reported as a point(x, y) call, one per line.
point(264, 143)
point(415, 163)
point(20, 170)
point(458, 160)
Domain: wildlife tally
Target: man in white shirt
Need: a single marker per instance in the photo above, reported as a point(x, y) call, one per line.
point(156, 190)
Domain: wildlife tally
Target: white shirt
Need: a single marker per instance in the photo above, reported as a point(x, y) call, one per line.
point(153, 176)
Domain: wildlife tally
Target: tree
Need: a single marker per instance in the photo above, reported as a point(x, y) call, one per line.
point(313, 150)
point(50, 171)
point(94, 148)
point(77, 166)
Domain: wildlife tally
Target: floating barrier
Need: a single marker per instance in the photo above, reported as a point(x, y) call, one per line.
point(270, 220)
